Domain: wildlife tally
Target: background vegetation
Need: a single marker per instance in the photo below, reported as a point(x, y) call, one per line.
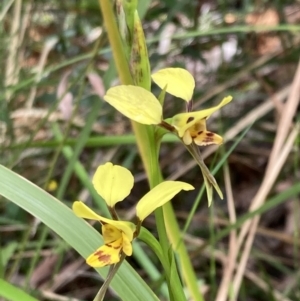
point(56, 129)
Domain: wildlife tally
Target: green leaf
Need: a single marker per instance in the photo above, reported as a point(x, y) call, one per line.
point(75, 231)
point(7, 252)
point(13, 293)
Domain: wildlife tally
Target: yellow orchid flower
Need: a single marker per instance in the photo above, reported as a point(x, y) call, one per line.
point(142, 106)
point(191, 126)
point(114, 183)
point(117, 236)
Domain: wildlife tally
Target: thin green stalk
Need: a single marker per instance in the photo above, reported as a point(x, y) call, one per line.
point(91, 142)
point(36, 256)
point(115, 42)
point(185, 263)
point(25, 239)
point(112, 272)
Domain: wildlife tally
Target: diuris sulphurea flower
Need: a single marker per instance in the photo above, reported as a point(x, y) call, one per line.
point(142, 106)
point(114, 183)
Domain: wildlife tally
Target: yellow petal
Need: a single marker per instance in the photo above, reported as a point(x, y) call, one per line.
point(206, 138)
point(127, 246)
point(179, 82)
point(158, 196)
point(105, 255)
point(110, 233)
point(184, 121)
point(127, 228)
point(113, 183)
point(135, 103)
point(81, 210)
point(187, 138)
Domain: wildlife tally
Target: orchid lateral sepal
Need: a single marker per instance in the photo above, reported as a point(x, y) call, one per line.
point(136, 103)
point(209, 180)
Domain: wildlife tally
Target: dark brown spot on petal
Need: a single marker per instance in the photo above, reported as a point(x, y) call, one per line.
point(200, 132)
point(207, 139)
point(109, 230)
point(190, 119)
point(102, 257)
point(210, 134)
point(109, 245)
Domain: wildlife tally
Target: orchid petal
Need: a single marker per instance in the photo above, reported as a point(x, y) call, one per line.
point(105, 255)
point(135, 103)
point(184, 121)
point(158, 196)
point(187, 138)
point(113, 183)
point(179, 82)
point(81, 210)
point(127, 246)
point(110, 233)
point(206, 138)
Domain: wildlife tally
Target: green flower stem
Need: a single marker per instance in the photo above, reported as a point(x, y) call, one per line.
point(176, 292)
point(115, 42)
point(141, 132)
point(151, 241)
point(146, 143)
point(185, 263)
point(112, 271)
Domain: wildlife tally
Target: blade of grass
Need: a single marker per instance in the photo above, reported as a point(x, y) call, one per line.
point(13, 293)
point(96, 141)
point(268, 205)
